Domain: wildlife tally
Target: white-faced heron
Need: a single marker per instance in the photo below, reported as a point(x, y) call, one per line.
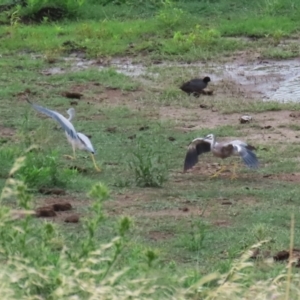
point(76, 139)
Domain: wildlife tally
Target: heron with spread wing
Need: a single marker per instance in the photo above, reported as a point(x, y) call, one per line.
point(222, 150)
point(76, 139)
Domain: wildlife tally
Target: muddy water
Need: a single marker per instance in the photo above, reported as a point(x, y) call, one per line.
point(273, 80)
point(266, 80)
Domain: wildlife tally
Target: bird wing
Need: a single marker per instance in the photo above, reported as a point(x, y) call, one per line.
point(65, 123)
point(247, 146)
point(86, 142)
point(194, 85)
point(248, 157)
point(196, 148)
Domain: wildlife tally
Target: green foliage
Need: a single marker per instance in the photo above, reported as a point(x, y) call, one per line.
point(194, 238)
point(278, 7)
point(71, 7)
point(42, 170)
point(170, 16)
point(148, 165)
point(7, 157)
point(39, 263)
point(173, 29)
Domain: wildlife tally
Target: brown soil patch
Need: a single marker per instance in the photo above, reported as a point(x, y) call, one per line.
point(94, 92)
point(72, 219)
point(172, 213)
point(293, 177)
point(265, 127)
point(159, 235)
point(7, 132)
point(222, 223)
point(128, 203)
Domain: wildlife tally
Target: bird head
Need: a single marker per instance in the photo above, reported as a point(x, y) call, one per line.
point(210, 137)
point(206, 79)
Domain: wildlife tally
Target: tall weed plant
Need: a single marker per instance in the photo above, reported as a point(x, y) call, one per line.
point(42, 170)
point(148, 164)
point(39, 264)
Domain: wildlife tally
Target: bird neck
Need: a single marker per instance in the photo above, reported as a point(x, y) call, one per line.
point(71, 115)
point(213, 142)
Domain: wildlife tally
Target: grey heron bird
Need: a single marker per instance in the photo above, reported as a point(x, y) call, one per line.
point(222, 150)
point(76, 139)
point(195, 86)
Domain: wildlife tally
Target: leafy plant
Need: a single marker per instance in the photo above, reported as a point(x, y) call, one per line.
point(38, 262)
point(15, 17)
point(148, 165)
point(7, 157)
point(42, 170)
point(70, 8)
point(169, 15)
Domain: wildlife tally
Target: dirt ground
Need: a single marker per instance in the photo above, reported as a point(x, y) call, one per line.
point(265, 129)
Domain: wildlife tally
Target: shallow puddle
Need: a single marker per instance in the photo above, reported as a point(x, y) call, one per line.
point(267, 80)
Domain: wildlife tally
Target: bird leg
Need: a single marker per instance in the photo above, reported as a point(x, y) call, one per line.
point(218, 172)
point(234, 175)
point(74, 155)
point(95, 165)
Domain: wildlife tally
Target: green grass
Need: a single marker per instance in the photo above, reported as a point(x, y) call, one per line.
point(181, 227)
point(170, 31)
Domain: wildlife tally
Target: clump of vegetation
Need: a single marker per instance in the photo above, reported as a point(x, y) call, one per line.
point(40, 263)
point(42, 170)
point(41, 10)
point(148, 165)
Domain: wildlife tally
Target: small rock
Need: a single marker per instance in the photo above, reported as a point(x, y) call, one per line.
point(245, 119)
point(171, 139)
point(61, 206)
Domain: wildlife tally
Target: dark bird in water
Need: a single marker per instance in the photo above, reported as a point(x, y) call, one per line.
point(222, 150)
point(195, 86)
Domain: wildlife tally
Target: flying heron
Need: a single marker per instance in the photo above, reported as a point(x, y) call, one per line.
point(195, 86)
point(76, 139)
point(221, 150)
